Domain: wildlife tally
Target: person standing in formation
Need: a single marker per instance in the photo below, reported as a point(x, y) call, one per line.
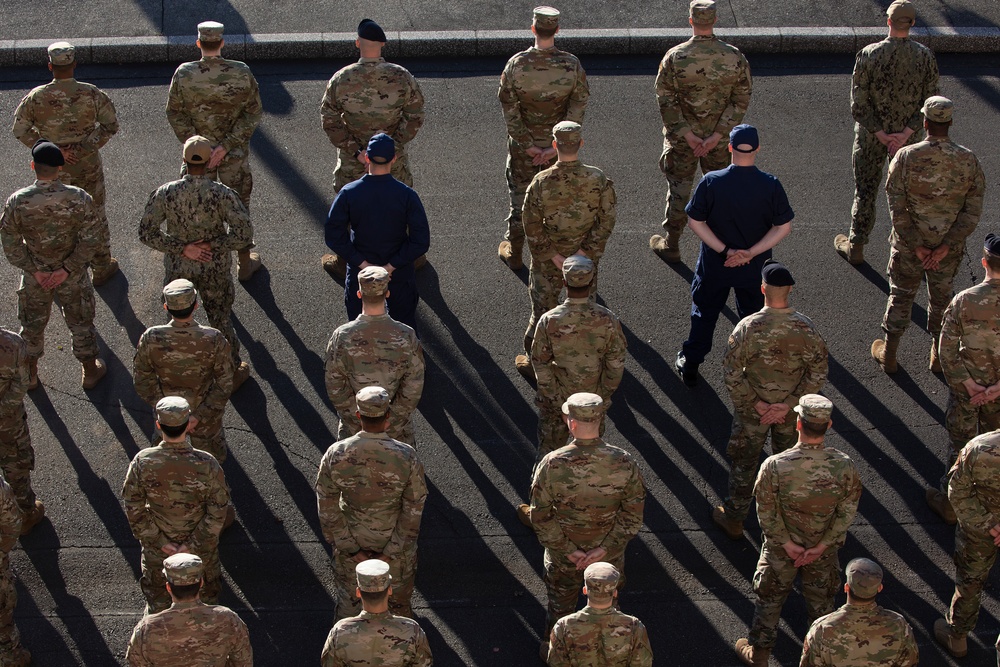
point(17, 457)
point(12, 654)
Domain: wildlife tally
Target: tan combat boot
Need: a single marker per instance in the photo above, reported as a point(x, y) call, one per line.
point(93, 370)
point(248, 263)
point(420, 262)
point(335, 266)
point(240, 375)
point(935, 363)
point(755, 656)
point(32, 373)
point(230, 516)
point(667, 247)
point(543, 652)
point(731, 527)
point(884, 352)
point(953, 642)
point(33, 518)
point(103, 276)
point(941, 506)
point(523, 364)
point(510, 255)
point(524, 514)
point(854, 253)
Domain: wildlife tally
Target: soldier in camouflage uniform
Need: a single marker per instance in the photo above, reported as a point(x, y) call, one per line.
point(11, 652)
point(370, 491)
point(935, 190)
point(703, 89)
point(974, 492)
point(539, 87)
point(196, 223)
point(861, 633)
point(183, 358)
point(775, 356)
point(375, 350)
point(587, 500)
point(17, 458)
point(79, 118)
point(578, 346)
point(892, 78)
point(219, 99)
point(175, 499)
point(50, 231)
point(376, 637)
point(599, 634)
point(190, 632)
point(807, 497)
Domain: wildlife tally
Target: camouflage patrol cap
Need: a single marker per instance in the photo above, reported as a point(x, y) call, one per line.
point(584, 407)
point(183, 569)
point(567, 132)
point(373, 281)
point(814, 408)
point(62, 53)
point(992, 244)
point(197, 150)
point(901, 10)
point(173, 411)
point(545, 17)
point(210, 31)
point(373, 401)
point(578, 271)
point(179, 294)
point(373, 575)
point(47, 153)
point(702, 12)
point(864, 576)
point(938, 109)
point(601, 580)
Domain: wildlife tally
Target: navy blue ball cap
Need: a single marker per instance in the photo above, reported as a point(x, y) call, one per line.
point(776, 274)
point(381, 148)
point(47, 153)
point(371, 31)
point(744, 134)
point(992, 244)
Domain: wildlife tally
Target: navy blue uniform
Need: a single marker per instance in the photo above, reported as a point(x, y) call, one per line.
point(379, 220)
point(740, 205)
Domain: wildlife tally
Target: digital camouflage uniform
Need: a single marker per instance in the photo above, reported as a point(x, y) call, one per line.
point(197, 208)
point(935, 190)
point(45, 227)
point(860, 635)
point(703, 86)
point(381, 640)
point(892, 78)
point(363, 99)
point(79, 117)
point(219, 100)
point(191, 633)
point(175, 493)
point(568, 207)
point(538, 88)
point(370, 492)
point(375, 350)
point(974, 492)
point(578, 347)
point(194, 362)
point(776, 356)
point(807, 494)
point(17, 458)
point(11, 652)
point(599, 638)
point(584, 495)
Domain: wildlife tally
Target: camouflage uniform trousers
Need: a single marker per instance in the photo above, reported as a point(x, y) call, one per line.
point(88, 174)
point(10, 638)
point(773, 581)
point(545, 283)
point(745, 445)
point(215, 292)
point(905, 275)
point(679, 165)
point(76, 298)
point(350, 168)
point(975, 554)
point(234, 171)
point(17, 459)
point(868, 159)
point(153, 583)
point(403, 570)
point(563, 584)
point(404, 433)
point(965, 421)
point(519, 173)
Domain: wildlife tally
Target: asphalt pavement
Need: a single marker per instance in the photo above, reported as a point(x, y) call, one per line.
point(479, 592)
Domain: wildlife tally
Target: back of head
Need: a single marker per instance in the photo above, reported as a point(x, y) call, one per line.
point(568, 136)
point(545, 21)
point(702, 15)
point(47, 158)
point(864, 578)
point(902, 14)
point(371, 38)
point(210, 35)
point(814, 413)
point(601, 580)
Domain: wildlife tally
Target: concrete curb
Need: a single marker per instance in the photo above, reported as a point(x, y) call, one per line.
point(493, 43)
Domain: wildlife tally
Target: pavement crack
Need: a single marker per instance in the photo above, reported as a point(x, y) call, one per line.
point(284, 445)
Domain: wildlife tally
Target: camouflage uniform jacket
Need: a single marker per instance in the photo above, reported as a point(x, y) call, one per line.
point(974, 489)
point(196, 208)
point(599, 638)
point(702, 86)
point(935, 190)
point(216, 98)
point(807, 494)
point(375, 350)
point(775, 355)
point(49, 226)
point(578, 346)
point(368, 97)
point(191, 633)
point(370, 492)
point(185, 359)
point(585, 495)
point(68, 113)
point(860, 635)
point(10, 522)
point(970, 337)
point(13, 376)
point(176, 493)
point(376, 640)
point(892, 78)
point(539, 88)
point(568, 207)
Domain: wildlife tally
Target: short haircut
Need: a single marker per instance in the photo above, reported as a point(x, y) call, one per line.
point(777, 290)
point(902, 24)
point(373, 299)
point(374, 597)
point(45, 171)
point(210, 46)
point(182, 313)
point(372, 422)
point(857, 598)
point(569, 146)
point(814, 429)
point(582, 290)
point(186, 592)
point(992, 261)
point(546, 33)
point(173, 431)
point(63, 69)
point(936, 129)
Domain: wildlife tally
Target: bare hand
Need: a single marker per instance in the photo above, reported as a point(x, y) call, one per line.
point(192, 424)
point(183, 549)
point(218, 153)
point(761, 407)
point(199, 251)
point(922, 253)
point(544, 157)
point(883, 138)
point(361, 556)
point(995, 532)
point(595, 555)
point(577, 556)
point(810, 555)
point(933, 261)
point(776, 413)
point(736, 258)
point(69, 154)
point(983, 395)
point(558, 261)
point(711, 142)
point(170, 548)
point(793, 550)
point(390, 268)
point(57, 278)
point(696, 144)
